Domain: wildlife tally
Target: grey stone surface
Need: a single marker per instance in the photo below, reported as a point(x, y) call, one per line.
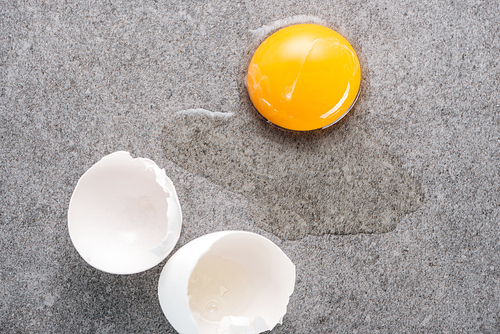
point(81, 80)
point(332, 181)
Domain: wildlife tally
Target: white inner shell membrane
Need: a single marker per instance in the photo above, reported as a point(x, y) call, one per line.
point(241, 285)
point(118, 214)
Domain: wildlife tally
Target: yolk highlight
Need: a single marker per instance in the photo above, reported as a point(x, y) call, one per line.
point(304, 77)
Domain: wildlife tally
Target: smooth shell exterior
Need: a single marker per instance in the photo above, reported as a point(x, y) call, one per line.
point(243, 275)
point(304, 77)
point(124, 216)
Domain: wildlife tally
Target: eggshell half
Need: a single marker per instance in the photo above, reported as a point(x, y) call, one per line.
point(226, 282)
point(124, 215)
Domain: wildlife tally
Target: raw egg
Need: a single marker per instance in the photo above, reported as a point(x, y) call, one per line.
point(124, 216)
point(226, 283)
point(304, 77)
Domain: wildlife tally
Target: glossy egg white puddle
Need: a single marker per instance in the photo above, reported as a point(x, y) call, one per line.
point(124, 216)
point(226, 282)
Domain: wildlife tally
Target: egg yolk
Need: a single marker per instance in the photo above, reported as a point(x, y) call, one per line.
point(304, 77)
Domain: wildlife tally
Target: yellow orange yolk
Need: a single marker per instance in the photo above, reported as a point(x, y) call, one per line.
point(304, 77)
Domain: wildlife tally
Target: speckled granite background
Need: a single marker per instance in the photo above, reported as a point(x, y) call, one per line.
point(79, 80)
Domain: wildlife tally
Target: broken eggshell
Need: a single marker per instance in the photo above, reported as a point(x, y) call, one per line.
point(124, 215)
point(226, 282)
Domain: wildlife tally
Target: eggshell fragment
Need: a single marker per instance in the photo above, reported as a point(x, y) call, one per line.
point(226, 282)
point(124, 215)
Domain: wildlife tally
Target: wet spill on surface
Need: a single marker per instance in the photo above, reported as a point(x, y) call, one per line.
point(332, 181)
point(338, 180)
